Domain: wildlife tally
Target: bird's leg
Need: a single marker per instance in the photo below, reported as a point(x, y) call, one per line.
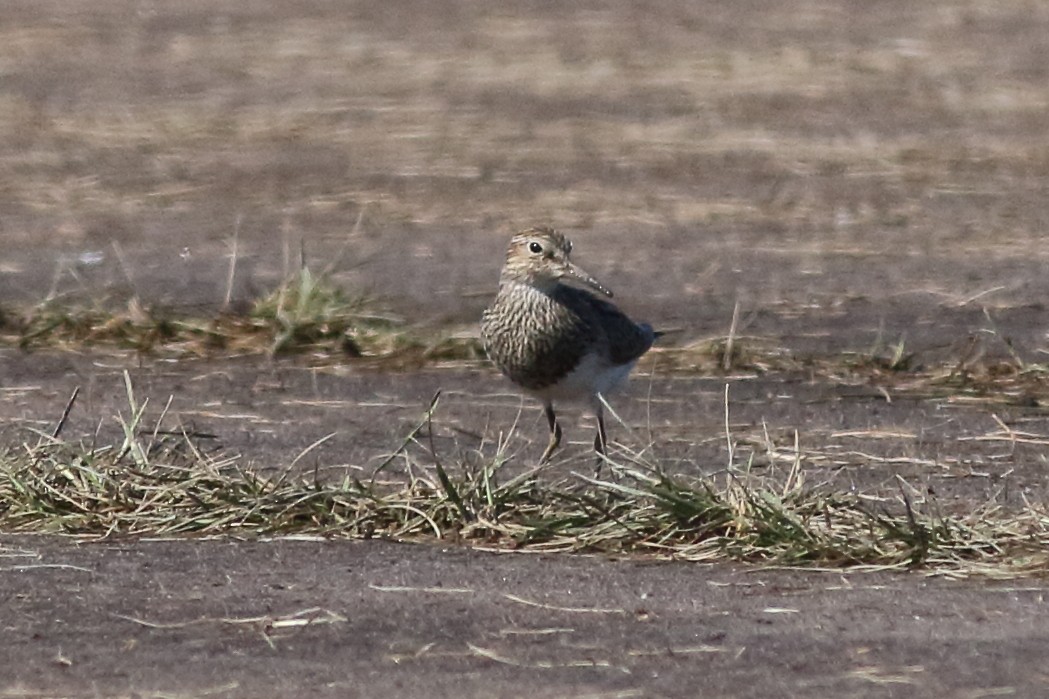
point(555, 433)
point(600, 440)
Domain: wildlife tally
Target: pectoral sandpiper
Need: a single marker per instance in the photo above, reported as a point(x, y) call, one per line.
point(559, 342)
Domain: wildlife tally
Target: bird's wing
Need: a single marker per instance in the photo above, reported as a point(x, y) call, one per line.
point(626, 339)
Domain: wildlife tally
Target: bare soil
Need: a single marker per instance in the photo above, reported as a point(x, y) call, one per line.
point(210, 618)
point(853, 175)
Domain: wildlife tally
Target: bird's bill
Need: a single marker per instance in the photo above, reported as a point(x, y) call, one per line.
point(582, 276)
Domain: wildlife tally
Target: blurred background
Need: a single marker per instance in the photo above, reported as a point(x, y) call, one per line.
point(875, 166)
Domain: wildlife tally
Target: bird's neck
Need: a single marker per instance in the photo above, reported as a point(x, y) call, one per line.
point(542, 285)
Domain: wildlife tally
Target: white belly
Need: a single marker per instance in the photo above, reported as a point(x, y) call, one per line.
point(592, 376)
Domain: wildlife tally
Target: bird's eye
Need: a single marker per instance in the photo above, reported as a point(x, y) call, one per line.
point(535, 247)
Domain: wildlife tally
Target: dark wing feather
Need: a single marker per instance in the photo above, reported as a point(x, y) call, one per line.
point(626, 340)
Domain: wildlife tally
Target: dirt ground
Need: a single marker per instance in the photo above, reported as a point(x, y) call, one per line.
point(213, 618)
point(853, 175)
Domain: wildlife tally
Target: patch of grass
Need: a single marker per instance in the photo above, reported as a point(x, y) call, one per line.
point(307, 313)
point(726, 355)
point(152, 483)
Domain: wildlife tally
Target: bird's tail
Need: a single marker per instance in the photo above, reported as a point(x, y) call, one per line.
point(654, 334)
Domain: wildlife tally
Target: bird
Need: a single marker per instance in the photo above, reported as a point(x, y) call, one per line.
point(556, 341)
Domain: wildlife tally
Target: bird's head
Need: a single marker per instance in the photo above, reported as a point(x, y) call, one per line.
point(540, 257)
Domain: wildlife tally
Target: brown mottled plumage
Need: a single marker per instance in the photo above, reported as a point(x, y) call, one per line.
point(555, 341)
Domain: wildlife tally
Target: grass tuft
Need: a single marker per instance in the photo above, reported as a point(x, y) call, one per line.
point(308, 311)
